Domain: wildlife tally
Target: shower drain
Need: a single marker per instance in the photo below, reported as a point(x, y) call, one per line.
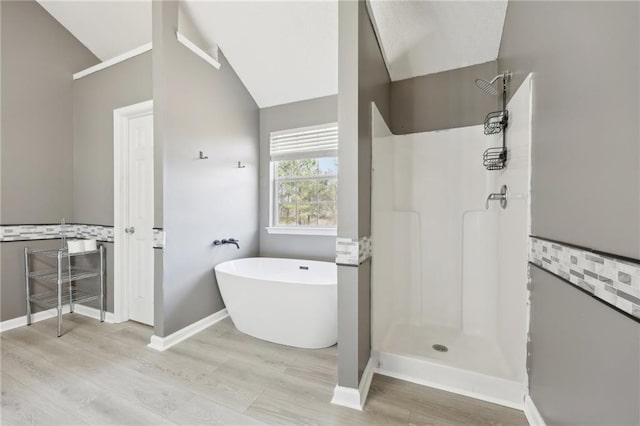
point(440, 348)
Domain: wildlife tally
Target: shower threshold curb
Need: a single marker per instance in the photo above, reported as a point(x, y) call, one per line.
point(476, 385)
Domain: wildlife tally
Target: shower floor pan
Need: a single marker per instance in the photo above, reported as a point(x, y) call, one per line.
point(472, 365)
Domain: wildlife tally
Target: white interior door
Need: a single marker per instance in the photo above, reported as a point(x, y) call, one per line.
point(139, 226)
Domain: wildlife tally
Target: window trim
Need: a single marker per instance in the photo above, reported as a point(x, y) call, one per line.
point(274, 201)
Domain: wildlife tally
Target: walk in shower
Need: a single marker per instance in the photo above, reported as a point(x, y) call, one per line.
point(449, 275)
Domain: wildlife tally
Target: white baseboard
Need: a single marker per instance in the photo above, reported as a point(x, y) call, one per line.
point(90, 312)
point(52, 313)
point(164, 343)
point(367, 378)
point(37, 317)
point(531, 413)
point(451, 379)
point(355, 398)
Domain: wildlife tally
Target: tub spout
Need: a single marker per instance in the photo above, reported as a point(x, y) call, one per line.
point(232, 241)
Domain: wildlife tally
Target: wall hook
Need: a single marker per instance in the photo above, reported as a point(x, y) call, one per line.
point(240, 165)
point(202, 156)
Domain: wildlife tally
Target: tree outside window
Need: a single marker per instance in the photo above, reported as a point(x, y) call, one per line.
point(306, 192)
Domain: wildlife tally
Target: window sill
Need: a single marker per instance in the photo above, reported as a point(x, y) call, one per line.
point(326, 232)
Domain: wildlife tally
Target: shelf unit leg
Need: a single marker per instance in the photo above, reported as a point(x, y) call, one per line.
point(70, 284)
point(101, 284)
point(26, 284)
point(59, 322)
point(59, 293)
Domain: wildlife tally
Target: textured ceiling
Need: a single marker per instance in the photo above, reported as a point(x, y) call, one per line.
point(287, 51)
point(106, 28)
point(283, 51)
point(425, 37)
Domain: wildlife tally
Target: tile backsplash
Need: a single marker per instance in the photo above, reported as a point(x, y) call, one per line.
point(353, 252)
point(102, 233)
point(614, 281)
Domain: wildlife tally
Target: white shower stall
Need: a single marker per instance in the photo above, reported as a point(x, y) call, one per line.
point(449, 275)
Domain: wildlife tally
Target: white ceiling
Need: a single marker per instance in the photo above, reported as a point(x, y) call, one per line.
point(283, 51)
point(425, 37)
point(287, 50)
point(106, 28)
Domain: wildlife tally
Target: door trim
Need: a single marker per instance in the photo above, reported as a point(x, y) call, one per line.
point(121, 117)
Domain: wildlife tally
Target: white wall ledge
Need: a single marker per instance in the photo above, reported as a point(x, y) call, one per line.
point(199, 52)
point(321, 232)
point(113, 61)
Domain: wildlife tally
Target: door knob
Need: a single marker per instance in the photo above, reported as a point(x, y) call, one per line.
point(130, 230)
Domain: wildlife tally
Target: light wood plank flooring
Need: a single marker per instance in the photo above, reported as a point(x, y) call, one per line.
point(103, 374)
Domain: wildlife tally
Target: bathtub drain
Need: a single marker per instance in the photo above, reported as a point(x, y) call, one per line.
point(440, 348)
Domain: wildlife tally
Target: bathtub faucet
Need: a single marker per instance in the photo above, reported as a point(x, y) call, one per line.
point(498, 196)
point(227, 241)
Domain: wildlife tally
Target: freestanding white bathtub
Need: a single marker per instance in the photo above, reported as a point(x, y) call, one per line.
point(287, 301)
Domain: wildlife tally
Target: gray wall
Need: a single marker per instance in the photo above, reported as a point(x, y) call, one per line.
point(585, 191)
point(585, 77)
point(282, 117)
point(585, 368)
point(362, 79)
point(442, 100)
point(199, 108)
point(94, 99)
point(38, 58)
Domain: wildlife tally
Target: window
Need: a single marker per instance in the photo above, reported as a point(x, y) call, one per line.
point(304, 170)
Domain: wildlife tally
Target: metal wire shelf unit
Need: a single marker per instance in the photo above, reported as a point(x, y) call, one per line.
point(53, 253)
point(50, 299)
point(69, 275)
point(66, 277)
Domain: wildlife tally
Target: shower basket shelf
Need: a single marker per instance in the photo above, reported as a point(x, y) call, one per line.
point(494, 158)
point(495, 122)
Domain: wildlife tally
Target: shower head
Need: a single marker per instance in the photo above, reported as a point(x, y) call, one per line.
point(487, 86)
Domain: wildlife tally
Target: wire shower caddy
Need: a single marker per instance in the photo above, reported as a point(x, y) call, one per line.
point(495, 158)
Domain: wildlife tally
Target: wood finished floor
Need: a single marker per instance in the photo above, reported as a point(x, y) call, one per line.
point(103, 374)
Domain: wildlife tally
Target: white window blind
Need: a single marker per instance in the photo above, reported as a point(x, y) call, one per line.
point(305, 142)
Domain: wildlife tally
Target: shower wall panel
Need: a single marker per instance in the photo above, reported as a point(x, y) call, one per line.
point(432, 236)
point(446, 267)
point(513, 234)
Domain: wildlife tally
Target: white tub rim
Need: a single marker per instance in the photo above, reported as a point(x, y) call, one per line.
point(224, 268)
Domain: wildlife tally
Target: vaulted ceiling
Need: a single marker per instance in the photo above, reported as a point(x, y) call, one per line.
point(283, 51)
point(106, 28)
point(287, 51)
point(425, 37)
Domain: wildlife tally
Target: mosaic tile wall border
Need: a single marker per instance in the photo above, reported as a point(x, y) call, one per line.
point(352, 252)
point(612, 280)
point(9, 233)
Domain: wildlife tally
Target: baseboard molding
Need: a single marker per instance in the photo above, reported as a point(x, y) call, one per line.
point(52, 313)
point(367, 378)
point(451, 379)
point(164, 343)
point(531, 413)
point(37, 317)
point(94, 313)
point(355, 398)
